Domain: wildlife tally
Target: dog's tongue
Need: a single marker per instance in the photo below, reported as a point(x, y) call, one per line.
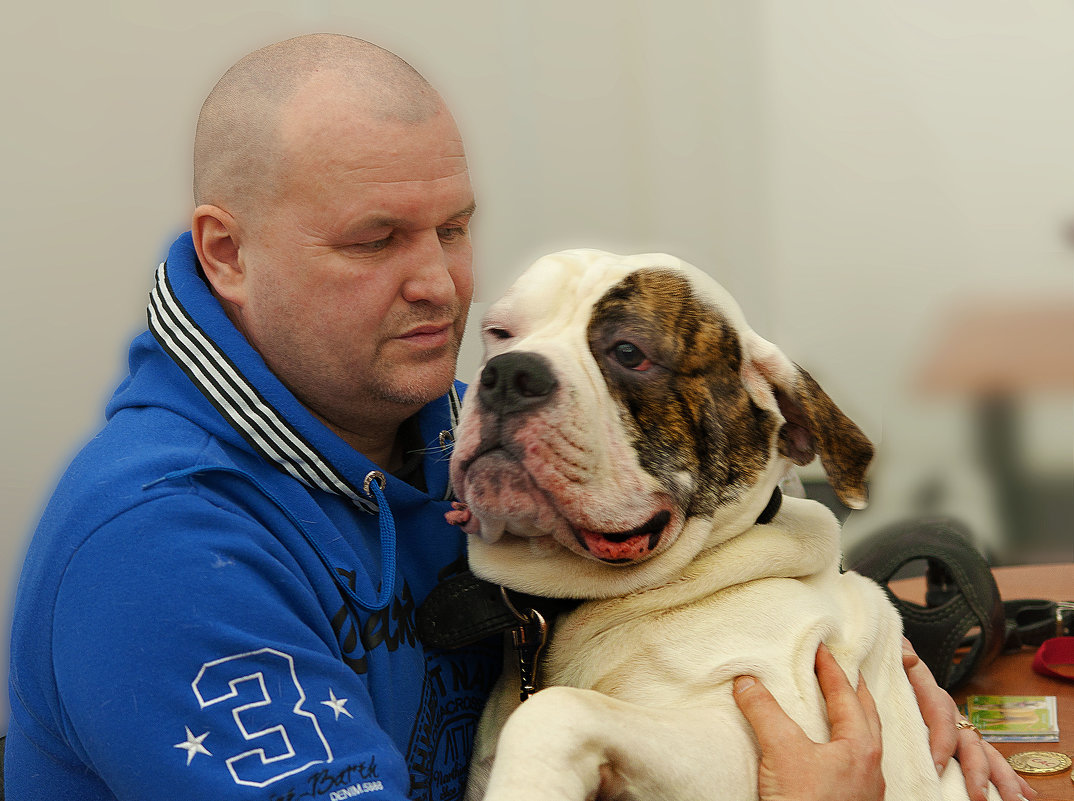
point(626, 546)
point(630, 549)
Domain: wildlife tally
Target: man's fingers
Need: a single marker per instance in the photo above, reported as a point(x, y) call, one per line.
point(980, 762)
point(773, 727)
point(1011, 786)
point(909, 655)
point(937, 708)
point(849, 718)
point(868, 705)
point(974, 762)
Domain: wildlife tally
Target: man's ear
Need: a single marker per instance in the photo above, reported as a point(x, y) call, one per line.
point(216, 240)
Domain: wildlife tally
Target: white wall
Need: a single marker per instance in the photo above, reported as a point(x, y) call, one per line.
point(919, 157)
point(844, 167)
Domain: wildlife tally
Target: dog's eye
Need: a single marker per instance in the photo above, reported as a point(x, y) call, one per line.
point(498, 333)
point(631, 356)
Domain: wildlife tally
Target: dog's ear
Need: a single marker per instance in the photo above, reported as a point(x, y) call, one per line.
point(813, 424)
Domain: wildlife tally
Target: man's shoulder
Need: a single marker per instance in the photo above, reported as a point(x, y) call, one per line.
point(136, 446)
point(110, 475)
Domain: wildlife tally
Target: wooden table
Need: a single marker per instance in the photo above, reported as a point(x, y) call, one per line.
point(1013, 674)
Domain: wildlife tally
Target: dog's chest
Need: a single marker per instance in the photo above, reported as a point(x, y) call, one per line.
point(689, 652)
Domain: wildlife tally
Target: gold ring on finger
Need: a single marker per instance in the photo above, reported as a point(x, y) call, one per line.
point(965, 724)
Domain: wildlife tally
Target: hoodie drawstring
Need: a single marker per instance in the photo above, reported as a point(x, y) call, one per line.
point(374, 485)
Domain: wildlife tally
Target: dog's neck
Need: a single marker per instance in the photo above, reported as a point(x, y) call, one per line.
point(801, 541)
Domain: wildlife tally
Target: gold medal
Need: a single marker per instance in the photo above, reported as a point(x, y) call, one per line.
point(1039, 763)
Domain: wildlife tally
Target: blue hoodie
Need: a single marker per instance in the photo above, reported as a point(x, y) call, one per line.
point(214, 605)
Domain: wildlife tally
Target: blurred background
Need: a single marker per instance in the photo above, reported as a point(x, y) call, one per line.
point(887, 187)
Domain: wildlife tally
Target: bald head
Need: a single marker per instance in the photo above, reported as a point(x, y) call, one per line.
point(238, 150)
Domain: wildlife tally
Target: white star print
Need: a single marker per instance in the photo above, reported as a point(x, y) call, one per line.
point(193, 745)
point(336, 704)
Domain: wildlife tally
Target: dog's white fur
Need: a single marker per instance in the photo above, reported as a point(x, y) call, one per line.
point(638, 702)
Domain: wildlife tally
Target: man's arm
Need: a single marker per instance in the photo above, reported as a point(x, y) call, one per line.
point(195, 661)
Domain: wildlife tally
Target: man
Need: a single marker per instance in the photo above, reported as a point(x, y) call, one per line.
point(219, 600)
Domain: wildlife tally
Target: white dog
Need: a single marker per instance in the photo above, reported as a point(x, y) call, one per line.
point(623, 444)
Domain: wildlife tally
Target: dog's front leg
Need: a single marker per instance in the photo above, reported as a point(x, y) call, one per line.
point(503, 700)
point(566, 744)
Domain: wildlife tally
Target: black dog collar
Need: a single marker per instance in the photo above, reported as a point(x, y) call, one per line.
point(772, 509)
point(464, 609)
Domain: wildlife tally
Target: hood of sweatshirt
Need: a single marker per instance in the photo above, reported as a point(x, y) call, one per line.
point(195, 363)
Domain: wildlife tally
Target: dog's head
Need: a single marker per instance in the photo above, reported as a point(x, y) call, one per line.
point(626, 418)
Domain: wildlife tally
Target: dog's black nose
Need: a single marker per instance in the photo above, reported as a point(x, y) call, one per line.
point(516, 382)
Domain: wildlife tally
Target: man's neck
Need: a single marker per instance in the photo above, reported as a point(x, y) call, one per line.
point(383, 446)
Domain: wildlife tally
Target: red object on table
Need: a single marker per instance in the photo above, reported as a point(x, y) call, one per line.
point(1056, 658)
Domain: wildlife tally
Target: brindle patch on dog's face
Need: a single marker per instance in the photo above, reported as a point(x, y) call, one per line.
point(672, 363)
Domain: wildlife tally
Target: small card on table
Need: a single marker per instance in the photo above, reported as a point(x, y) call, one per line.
point(1014, 718)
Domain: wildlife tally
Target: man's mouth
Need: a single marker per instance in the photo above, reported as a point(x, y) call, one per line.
point(428, 335)
point(625, 546)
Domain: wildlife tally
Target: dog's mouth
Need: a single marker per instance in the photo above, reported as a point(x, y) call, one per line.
point(512, 503)
point(622, 547)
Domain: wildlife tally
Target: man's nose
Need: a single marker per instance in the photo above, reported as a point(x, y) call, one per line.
point(429, 272)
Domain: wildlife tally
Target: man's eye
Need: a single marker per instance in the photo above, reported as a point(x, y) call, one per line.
point(631, 356)
point(452, 233)
point(372, 246)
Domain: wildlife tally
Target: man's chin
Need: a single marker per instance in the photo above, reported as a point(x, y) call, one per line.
point(419, 384)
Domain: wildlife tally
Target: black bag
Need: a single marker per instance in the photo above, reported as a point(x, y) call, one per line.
point(962, 625)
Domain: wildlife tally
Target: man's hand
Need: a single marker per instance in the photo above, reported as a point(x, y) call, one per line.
point(793, 767)
point(979, 760)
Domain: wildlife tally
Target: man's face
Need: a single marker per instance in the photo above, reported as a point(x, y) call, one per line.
point(358, 277)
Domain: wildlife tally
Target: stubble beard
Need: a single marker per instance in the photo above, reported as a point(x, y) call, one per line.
point(415, 387)
point(394, 384)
